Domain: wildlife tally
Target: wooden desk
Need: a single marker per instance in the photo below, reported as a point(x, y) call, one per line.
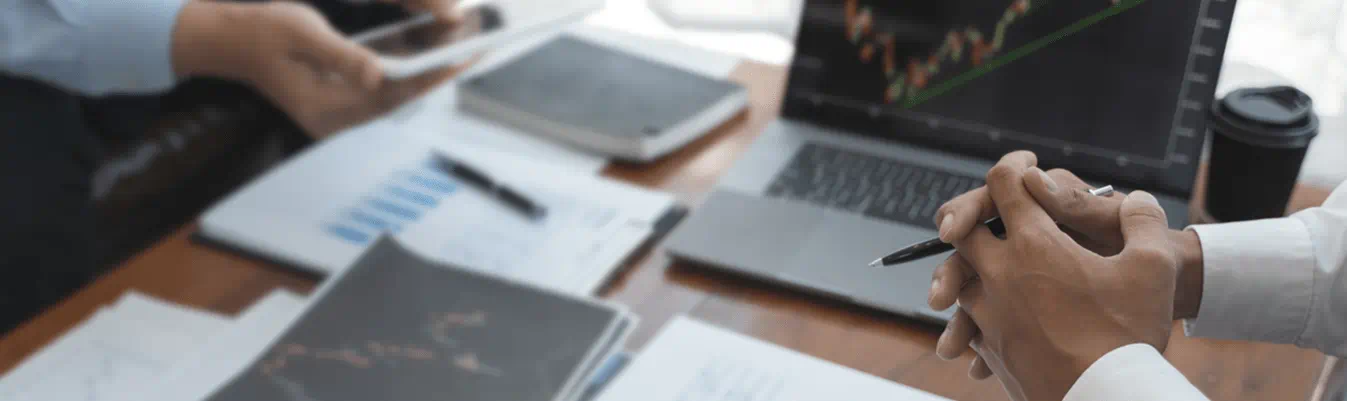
point(657, 289)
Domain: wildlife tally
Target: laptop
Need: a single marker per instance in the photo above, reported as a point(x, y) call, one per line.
point(894, 107)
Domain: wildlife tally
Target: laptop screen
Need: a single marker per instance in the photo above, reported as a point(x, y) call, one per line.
point(1115, 90)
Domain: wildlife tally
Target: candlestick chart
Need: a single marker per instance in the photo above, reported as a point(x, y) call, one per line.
point(966, 52)
point(438, 348)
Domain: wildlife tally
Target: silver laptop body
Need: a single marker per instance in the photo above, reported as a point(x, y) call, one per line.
point(750, 226)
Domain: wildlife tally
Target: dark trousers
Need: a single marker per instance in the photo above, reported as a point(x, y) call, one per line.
point(47, 156)
point(48, 153)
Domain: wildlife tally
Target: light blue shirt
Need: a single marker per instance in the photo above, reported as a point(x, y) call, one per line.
point(92, 47)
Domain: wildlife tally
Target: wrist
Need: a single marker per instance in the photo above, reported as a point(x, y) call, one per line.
point(207, 42)
point(1188, 291)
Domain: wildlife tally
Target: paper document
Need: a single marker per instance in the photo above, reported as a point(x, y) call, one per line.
point(135, 340)
point(694, 361)
point(322, 209)
point(131, 346)
point(216, 362)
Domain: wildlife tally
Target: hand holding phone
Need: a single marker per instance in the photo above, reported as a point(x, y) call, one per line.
point(425, 42)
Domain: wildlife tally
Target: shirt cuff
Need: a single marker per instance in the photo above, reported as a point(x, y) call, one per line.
point(1132, 372)
point(129, 44)
point(1257, 283)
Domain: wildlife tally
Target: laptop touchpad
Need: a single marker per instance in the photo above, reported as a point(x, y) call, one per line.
point(835, 259)
point(744, 232)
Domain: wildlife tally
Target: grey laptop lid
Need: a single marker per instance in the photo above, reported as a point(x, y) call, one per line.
point(1115, 90)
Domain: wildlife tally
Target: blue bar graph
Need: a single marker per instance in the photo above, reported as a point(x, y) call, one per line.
point(401, 200)
point(373, 221)
point(439, 184)
point(349, 234)
point(413, 196)
point(395, 209)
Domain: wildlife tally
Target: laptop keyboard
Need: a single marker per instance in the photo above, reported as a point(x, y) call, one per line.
point(875, 186)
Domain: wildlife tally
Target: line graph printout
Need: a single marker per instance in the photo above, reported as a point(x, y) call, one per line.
point(395, 326)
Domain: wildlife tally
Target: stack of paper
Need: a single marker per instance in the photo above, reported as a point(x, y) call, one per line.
point(691, 360)
point(396, 326)
point(131, 345)
point(324, 207)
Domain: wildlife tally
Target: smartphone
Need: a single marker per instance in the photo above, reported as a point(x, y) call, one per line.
point(425, 43)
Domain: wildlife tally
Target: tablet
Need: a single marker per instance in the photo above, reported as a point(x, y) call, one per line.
point(424, 43)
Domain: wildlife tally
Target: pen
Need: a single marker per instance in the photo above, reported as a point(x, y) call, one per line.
point(935, 246)
point(506, 195)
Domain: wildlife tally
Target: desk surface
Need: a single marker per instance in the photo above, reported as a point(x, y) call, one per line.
point(179, 270)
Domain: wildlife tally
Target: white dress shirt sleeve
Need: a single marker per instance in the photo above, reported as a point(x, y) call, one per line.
point(1274, 280)
point(1277, 280)
point(1134, 372)
point(92, 47)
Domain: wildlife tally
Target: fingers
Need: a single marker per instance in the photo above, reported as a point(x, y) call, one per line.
point(1005, 182)
point(948, 280)
point(980, 249)
point(334, 53)
point(397, 92)
point(444, 9)
point(958, 333)
point(979, 370)
point(1067, 201)
point(958, 216)
point(1145, 229)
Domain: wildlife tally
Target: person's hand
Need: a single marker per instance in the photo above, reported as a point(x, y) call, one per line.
point(1092, 221)
point(1046, 307)
point(293, 56)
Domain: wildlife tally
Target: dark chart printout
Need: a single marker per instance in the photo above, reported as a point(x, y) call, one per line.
point(398, 328)
point(1115, 82)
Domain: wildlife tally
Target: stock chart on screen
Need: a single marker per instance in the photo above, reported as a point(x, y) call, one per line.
point(1121, 82)
point(912, 79)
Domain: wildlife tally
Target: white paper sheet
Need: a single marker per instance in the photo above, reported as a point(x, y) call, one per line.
point(321, 210)
point(133, 341)
point(213, 364)
point(691, 360)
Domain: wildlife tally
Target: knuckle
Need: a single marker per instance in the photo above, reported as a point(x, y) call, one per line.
point(1002, 173)
point(1073, 204)
point(1013, 204)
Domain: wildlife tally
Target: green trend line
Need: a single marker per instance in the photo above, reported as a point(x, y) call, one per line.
point(1020, 52)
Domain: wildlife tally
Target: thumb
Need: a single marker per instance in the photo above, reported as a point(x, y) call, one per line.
point(1144, 227)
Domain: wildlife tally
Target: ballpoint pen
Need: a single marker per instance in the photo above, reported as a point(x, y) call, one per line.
point(506, 195)
point(935, 246)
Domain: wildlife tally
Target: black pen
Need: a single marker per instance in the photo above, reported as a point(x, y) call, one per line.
point(935, 246)
point(504, 194)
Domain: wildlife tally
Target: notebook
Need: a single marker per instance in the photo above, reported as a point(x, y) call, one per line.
point(602, 99)
point(398, 326)
point(320, 210)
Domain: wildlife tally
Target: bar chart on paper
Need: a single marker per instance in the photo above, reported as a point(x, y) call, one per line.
point(434, 213)
point(401, 200)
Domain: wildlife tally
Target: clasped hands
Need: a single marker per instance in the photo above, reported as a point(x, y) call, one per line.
point(1075, 277)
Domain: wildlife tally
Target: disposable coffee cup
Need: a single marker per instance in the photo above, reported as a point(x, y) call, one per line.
point(1259, 138)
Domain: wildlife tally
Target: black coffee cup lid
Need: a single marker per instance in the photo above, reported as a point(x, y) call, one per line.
point(1272, 117)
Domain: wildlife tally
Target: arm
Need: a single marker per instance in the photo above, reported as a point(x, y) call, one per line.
point(90, 47)
point(1275, 280)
